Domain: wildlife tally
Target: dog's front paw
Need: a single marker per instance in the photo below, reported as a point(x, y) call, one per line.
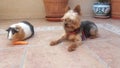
point(53, 43)
point(72, 48)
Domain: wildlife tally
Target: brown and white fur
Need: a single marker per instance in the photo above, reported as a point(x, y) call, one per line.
point(20, 31)
point(73, 31)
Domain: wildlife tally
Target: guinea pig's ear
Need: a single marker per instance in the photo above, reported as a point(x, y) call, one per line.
point(17, 28)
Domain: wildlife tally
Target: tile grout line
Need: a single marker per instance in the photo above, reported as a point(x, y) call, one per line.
point(111, 28)
point(23, 57)
point(98, 57)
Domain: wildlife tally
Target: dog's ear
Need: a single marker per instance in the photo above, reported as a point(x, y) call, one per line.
point(78, 9)
point(67, 8)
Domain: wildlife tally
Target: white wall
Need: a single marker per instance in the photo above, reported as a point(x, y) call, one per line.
point(86, 6)
point(15, 9)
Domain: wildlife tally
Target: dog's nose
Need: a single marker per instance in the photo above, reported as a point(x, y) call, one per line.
point(66, 24)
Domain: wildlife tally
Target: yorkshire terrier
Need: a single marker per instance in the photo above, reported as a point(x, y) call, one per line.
point(75, 30)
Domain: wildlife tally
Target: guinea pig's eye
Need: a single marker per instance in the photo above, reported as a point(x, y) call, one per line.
point(17, 29)
point(14, 31)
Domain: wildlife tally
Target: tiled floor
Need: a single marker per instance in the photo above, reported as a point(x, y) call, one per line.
point(102, 52)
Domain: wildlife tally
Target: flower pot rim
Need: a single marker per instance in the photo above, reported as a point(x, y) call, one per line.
point(101, 3)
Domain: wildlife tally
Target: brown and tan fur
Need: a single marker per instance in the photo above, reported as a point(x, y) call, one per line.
point(75, 38)
point(72, 22)
point(19, 36)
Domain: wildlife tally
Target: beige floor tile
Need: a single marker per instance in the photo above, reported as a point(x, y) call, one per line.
point(102, 52)
point(44, 37)
point(115, 22)
point(110, 53)
point(58, 57)
point(11, 58)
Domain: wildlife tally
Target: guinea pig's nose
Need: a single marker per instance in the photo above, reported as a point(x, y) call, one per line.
point(10, 38)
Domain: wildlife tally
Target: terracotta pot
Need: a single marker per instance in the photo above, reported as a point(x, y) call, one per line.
point(55, 9)
point(54, 19)
point(115, 8)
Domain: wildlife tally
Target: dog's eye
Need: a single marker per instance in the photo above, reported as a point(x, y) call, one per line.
point(65, 19)
point(71, 21)
point(74, 23)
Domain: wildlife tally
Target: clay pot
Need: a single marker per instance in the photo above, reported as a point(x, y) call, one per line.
point(55, 9)
point(115, 8)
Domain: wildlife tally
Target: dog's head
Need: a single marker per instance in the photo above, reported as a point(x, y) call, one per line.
point(71, 19)
point(12, 31)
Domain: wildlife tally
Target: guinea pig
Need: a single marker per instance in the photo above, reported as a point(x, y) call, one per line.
point(20, 31)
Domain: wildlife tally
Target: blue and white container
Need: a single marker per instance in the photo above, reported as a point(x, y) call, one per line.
point(101, 9)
